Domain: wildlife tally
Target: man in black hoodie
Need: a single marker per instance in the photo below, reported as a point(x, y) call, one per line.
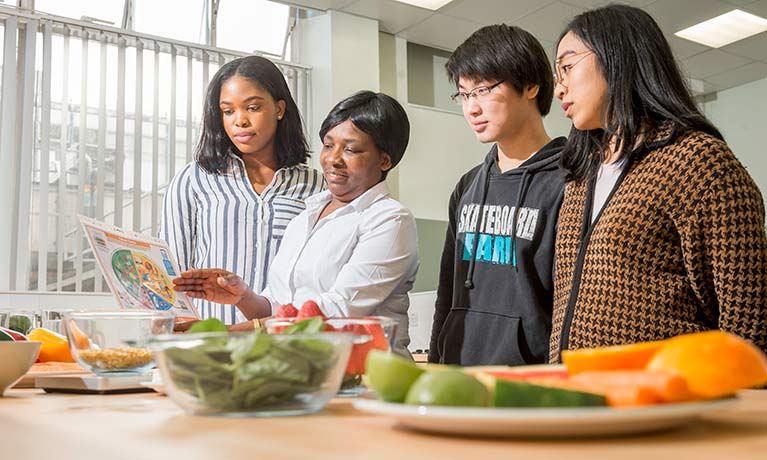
point(495, 286)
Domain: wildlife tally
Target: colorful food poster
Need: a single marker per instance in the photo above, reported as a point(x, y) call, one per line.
point(138, 268)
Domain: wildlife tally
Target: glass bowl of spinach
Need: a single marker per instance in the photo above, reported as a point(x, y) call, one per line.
point(254, 373)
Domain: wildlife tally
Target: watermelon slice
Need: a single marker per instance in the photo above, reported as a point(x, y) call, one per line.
point(9, 335)
point(510, 393)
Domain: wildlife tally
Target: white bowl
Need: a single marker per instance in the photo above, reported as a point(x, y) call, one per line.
point(15, 360)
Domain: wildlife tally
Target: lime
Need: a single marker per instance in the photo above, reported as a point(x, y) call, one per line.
point(448, 388)
point(390, 375)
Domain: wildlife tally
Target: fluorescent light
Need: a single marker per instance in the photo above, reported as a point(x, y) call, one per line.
point(725, 29)
point(428, 4)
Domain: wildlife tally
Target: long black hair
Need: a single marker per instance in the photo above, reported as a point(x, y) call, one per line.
point(379, 116)
point(212, 151)
point(644, 86)
point(508, 53)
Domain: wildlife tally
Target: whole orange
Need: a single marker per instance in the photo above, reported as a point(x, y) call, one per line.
point(714, 363)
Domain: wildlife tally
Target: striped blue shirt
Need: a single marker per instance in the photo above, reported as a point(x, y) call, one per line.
point(219, 221)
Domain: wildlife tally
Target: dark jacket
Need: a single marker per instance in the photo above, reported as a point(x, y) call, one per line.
point(494, 298)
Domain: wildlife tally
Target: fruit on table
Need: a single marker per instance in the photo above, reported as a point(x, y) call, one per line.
point(54, 346)
point(633, 356)
point(9, 335)
point(309, 309)
point(390, 375)
point(511, 393)
point(714, 363)
point(286, 311)
point(449, 387)
point(377, 341)
point(19, 323)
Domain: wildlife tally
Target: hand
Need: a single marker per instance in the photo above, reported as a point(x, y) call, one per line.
point(183, 326)
point(213, 284)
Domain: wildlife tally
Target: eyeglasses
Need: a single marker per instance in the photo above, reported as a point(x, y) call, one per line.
point(561, 71)
point(480, 92)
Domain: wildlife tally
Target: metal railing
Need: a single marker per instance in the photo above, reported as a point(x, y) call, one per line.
point(95, 120)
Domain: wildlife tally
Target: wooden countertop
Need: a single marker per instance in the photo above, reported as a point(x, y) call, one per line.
point(36, 425)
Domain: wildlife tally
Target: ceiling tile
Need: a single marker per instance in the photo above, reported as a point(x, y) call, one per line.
point(712, 62)
point(440, 31)
point(758, 8)
point(684, 48)
point(320, 4)
point(675, 15)
point(492, 11)
point(740, 3)
point(752, 47)
point(392, 16)
point(591, 4)
point(548, 22)
point(741, 75)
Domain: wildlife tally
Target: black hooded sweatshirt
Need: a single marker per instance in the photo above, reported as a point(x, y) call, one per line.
point(494, 298)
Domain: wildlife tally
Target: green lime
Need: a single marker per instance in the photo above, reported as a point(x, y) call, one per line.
point(448, 388)
point(390, 375)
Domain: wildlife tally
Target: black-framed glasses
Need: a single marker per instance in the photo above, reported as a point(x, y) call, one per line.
point(477, 93)
point(561, 71)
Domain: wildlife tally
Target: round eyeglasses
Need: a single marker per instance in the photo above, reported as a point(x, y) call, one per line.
point(561, 71)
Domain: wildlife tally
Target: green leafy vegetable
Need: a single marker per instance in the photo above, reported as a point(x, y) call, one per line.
point(208, 325)
point(255, 370)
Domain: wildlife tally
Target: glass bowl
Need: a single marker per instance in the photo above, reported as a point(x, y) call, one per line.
point(252, 374)
point(370, 332)
point(114, 342)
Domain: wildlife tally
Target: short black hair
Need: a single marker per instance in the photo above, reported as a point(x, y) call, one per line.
point(645, 86)
point(508, 53)
point(379, 116)
point(290, 144)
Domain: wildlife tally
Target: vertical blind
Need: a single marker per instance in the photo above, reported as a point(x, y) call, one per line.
point(94, 120)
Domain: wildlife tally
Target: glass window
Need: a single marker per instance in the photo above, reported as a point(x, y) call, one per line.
point(110, 11)
point(252, 25)
point(180, 19)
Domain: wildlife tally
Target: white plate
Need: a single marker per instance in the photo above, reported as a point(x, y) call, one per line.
point(543, 422)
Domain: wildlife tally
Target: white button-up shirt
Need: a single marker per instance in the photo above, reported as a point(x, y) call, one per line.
point(360, 260)
point(219, 221)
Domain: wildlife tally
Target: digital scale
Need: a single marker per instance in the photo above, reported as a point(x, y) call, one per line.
point(96, 384)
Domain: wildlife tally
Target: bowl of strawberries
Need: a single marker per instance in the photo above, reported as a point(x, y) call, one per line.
point(370, 333)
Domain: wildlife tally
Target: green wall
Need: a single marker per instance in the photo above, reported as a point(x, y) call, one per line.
point(431, 237)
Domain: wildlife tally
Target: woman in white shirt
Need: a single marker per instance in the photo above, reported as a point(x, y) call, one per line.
point(354, 250)
point(230, 206)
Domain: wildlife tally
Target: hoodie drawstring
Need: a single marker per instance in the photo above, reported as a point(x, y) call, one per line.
point(469, 283)
point(520, 200)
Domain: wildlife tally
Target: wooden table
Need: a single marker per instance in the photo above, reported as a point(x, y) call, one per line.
point(36, 425)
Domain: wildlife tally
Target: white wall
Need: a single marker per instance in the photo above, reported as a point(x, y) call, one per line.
point(442, 148)
point(343, 52)
point(740, 113)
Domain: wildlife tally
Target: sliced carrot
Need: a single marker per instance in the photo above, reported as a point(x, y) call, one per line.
point(665, 386)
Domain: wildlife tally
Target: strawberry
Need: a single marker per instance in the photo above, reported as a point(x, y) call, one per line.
point(360, 351)
point(310, 309)
point(379, 342)
point(286, 311)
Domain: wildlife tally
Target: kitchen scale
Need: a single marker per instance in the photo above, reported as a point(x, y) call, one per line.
point(95, 384)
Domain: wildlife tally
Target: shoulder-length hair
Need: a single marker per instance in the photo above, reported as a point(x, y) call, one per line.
point(213, 149)
point(644, 86)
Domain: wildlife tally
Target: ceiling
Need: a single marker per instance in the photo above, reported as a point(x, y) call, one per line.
point(717, 69)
